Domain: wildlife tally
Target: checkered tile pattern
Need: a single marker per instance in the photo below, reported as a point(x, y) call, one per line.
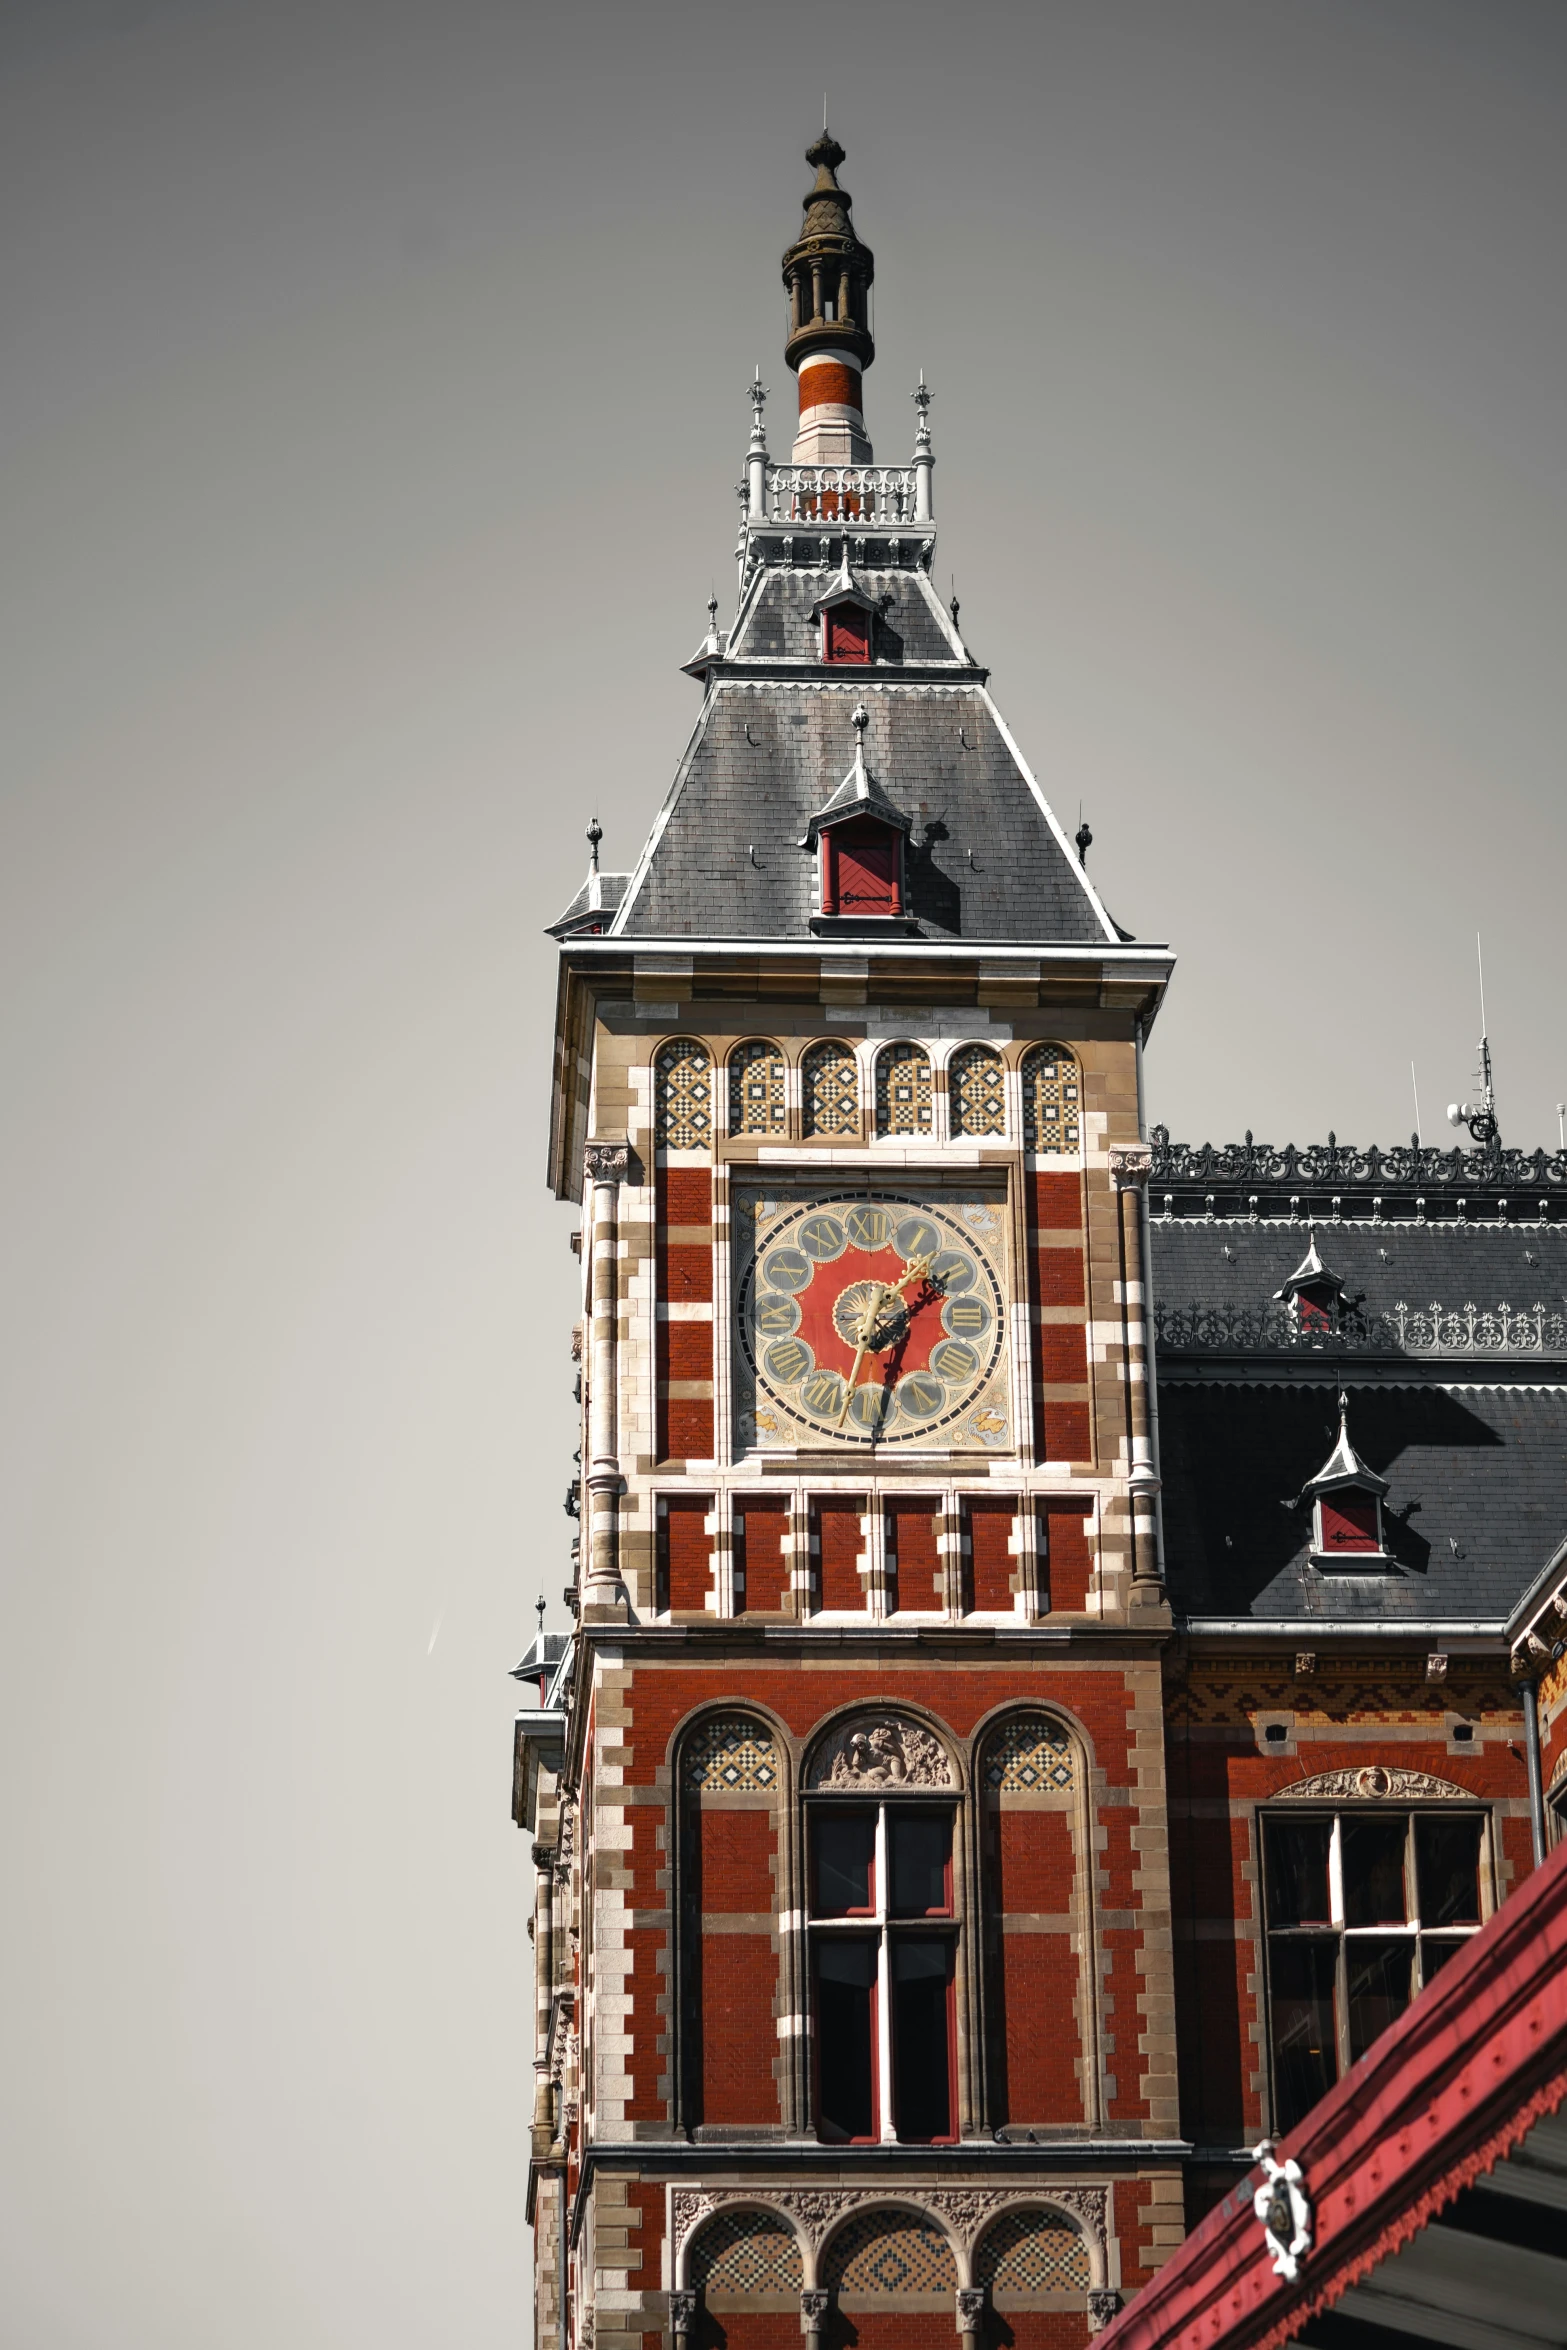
point(756, 1089)
point(903, 1090)
point(743, 2252)
point(977, 1091)
point(832, 1091)
point(1031, 1756)
point(1032, 2252)
point(1052, 1097)
point(735, 1755)
point(684, 1096)
point(890, 2252)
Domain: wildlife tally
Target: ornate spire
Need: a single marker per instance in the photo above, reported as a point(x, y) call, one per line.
point(828, 272)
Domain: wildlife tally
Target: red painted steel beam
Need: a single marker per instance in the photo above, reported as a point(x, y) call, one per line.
point(1437, 2101)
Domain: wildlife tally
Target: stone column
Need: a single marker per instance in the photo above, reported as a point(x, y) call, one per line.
point(682, 2316)
point(544, 1858)
point(607, 1166)
point(1130, 1167)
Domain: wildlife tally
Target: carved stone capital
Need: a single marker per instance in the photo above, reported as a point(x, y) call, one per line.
point(971, 2308)
point(1131, 1164)
point(814, 2306)
point(607, 1162)
point(1103, 2302)
point(682, 2313)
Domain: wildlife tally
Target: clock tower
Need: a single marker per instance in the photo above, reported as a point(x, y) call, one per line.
point(852, 1932)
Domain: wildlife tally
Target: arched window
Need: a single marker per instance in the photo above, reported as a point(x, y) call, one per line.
point(1026, 2253)
point(756, 1088)
point(976, 1091)
point(1037, 1894)
point(903, 1090)
point(683, 1096)
point(731, 1775)
point(745, 2260)
point(878, 2253)
point(832, 1090)
point(884, 1929)
point(1052, 1099)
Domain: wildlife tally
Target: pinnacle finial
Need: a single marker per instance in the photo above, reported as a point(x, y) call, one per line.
point(860, 720)
point(594, 836)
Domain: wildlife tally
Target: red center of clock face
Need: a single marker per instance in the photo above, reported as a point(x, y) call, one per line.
point(906, 1327)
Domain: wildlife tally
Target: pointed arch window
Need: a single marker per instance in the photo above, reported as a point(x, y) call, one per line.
point(976, 1091)
point(1052, 1099)
point(832, 1090)
point(903, 1090)
point(683, 1096)
point(756, 1088)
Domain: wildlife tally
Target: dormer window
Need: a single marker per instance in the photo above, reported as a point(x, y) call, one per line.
point(859, 837)
point(1346, 1501)
point(846, 614)
point(861, 868)
point(846, 632)
point(1313, 1293)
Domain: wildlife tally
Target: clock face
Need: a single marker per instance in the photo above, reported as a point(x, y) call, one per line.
point(873, 1319)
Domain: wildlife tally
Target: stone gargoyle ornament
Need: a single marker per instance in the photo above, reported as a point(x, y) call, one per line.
point(1282, 2206)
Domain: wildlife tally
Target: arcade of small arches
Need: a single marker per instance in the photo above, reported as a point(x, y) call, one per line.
point(1032, 1093)
point(1015, 2248)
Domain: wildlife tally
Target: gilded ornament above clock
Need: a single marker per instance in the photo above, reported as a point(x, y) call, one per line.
point(871, 1319)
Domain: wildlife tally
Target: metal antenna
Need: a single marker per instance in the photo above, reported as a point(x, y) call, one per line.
point(1415, 1090)
point(1561, 1126)
point(1480, 1116)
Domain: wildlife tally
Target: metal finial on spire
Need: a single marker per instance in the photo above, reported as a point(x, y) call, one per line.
point(756, 393)
point(1085, 839)
point(539, 1608)
point(595, 835)
point(860, 720)
point(922, 396)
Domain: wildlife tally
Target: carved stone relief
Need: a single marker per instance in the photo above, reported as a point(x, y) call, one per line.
point(881, 1750)
point(1376, 1782)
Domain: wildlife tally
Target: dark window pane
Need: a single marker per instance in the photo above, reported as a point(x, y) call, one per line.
point(1447, 1870)
point(921, 2086)
point(920, 1848)
point(843, 1849)
point(1305, 2043)
point(846, 2038)
point(1436, 1950)
point(1377, 1975)
point(1297, 1863)
point(1374, 1871)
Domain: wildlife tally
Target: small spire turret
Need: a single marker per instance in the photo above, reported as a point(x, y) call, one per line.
point(828, 273)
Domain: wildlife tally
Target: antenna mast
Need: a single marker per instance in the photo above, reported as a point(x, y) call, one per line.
point(1480, 1116)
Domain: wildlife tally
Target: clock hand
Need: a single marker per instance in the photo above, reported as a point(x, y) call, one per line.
point(864, 1333)
point(916, 1269)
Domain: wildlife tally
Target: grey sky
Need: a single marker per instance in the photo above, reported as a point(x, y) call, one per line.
point(370, 400)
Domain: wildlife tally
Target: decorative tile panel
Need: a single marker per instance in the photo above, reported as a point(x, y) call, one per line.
point(890, 2252)
point(903, 1090)
point(732, 1755)
point(683, 1096)
point(1032, 2252)
point(832, 1091)
point(756, 1089)
point(747, 2252)
point(1032, 1755)
point(976, 1091)
point(1052, 1099)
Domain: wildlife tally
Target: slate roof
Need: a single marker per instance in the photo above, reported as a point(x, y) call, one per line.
point(1479, 1468)
point(985, 861)
point(775, 623)
point(1474, 1446)
point(1414, 1264)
